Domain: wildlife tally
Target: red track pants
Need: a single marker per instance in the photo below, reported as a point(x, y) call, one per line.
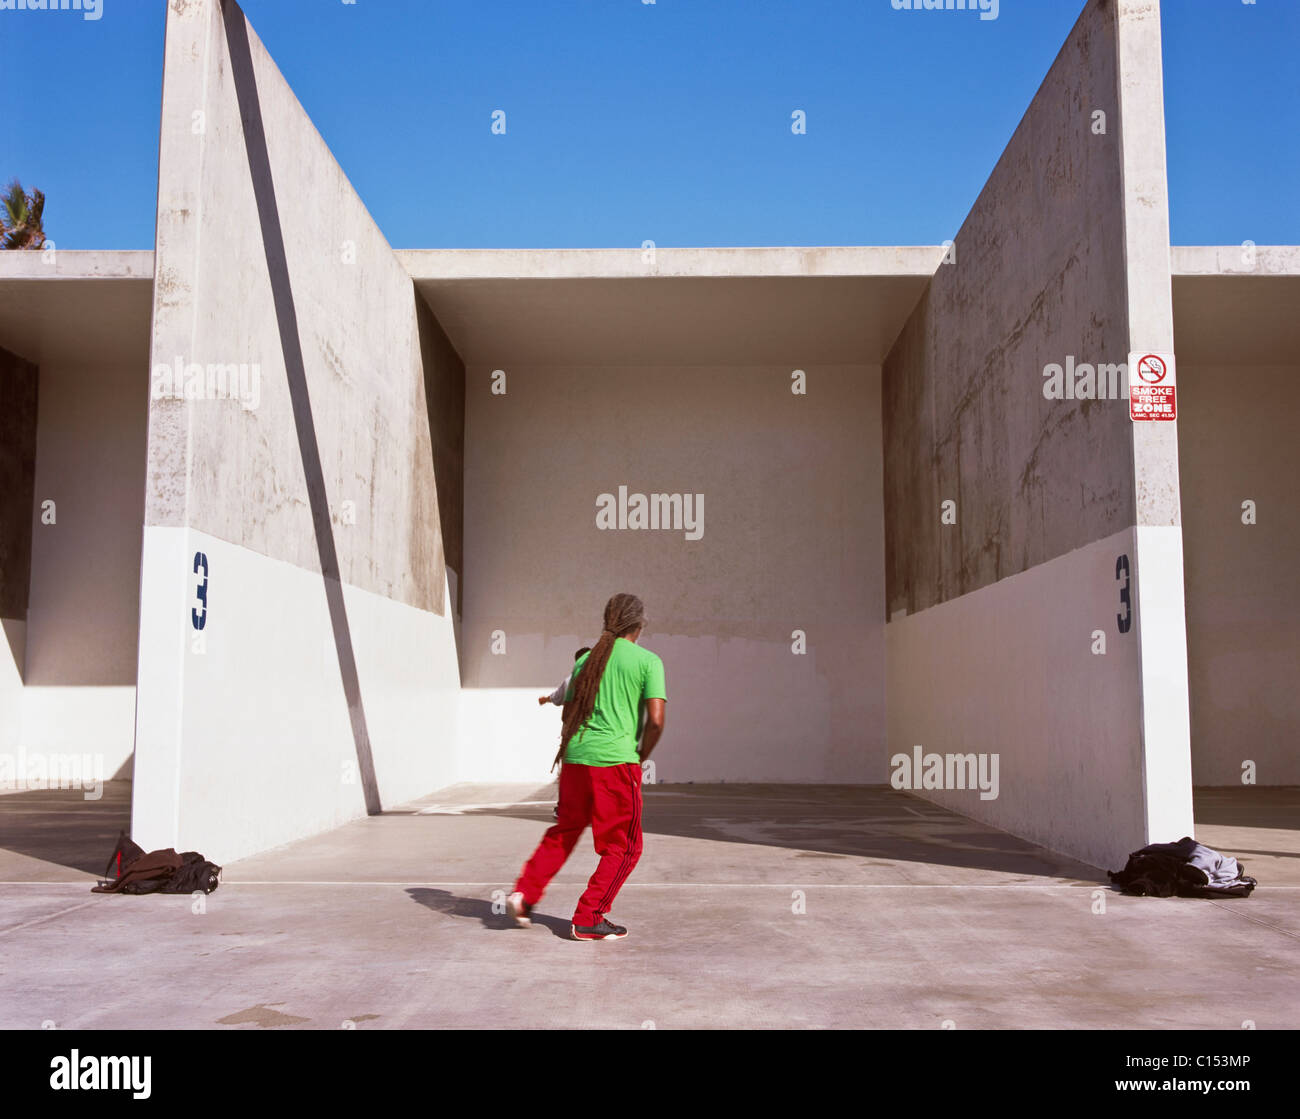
point(608, 798)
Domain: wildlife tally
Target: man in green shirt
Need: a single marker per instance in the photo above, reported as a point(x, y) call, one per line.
point(613, 688)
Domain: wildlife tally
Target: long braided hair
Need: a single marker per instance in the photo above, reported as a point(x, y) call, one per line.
point(624, 614)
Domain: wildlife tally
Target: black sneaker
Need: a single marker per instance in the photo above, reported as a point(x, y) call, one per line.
point(604, 930)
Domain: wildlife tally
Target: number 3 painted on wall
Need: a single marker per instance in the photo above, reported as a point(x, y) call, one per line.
point(200, 617)
point(1125, 619)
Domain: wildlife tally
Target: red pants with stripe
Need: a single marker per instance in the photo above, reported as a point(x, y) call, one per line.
point(608, 799)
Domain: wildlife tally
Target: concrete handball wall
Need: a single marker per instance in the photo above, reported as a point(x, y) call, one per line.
point(1037, 276)
point(320, 683)
point(994, 609)
point(1236, 430)
point(791, 539)
point(246, 190)
point(18, 412)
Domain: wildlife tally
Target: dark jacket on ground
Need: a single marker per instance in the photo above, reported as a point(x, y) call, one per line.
point(1186, 868)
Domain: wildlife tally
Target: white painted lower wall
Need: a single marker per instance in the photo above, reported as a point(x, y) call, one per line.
point(1009, 670)
point(95, 720)
point(506, 737)
point(95, 724)
point(248, 745)
point(738, 710)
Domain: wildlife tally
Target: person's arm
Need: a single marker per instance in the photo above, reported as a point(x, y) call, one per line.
point(653, 693)
point(654, 726)
point(557, 696)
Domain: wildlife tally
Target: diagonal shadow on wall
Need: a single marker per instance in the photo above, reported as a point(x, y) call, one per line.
point(268, 214)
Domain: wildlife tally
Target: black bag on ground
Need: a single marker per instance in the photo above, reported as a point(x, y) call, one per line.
point(194, 873)
point(132, 870)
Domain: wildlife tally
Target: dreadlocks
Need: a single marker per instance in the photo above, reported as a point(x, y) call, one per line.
point(624, 614)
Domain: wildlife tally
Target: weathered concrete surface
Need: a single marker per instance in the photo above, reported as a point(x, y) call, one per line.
point(1144, 210)
point(790, 541)
point(316, 679)
point(698, 263)
point(78, 264)
point(912, 917)
point(1157, 568)
point(1233, 260)
point(1038, 275)
point(266, 256)
point(1063, 260)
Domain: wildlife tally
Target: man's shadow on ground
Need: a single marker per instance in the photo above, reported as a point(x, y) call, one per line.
point(443, 901)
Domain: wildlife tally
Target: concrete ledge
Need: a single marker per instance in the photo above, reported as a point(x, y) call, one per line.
point(78, 264)
point(1234, 260)
point(560, 264)
point(829, 260)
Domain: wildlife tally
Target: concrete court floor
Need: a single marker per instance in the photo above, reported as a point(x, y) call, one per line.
point(915, 917)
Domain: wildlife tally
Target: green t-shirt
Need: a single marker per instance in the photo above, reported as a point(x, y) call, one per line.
point(632, 676)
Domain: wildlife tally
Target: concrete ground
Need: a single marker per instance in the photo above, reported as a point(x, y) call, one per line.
point(753, 907)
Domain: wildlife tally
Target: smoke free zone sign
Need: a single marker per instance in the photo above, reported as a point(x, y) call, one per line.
point(1151, 392)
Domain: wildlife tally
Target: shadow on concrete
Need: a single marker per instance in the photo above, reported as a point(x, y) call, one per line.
point(1238, 852)
point(61, 827)
point(1248, 806)
point(865, 822)
point(268, 213)
point(453, 905)
point(1258, 824)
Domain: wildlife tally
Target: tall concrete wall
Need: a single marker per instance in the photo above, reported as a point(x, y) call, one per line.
point(791, 540)
point(1236, 429)
point(993, 607)
point(297, 660)
point(18, 416)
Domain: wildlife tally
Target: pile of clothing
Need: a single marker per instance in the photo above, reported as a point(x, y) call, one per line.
point(1186, 868)
point(132, 870)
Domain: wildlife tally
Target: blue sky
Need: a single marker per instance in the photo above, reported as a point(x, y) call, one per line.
point(668, 121)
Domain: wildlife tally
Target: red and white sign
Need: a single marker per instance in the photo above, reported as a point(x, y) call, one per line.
point(1151, 391)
